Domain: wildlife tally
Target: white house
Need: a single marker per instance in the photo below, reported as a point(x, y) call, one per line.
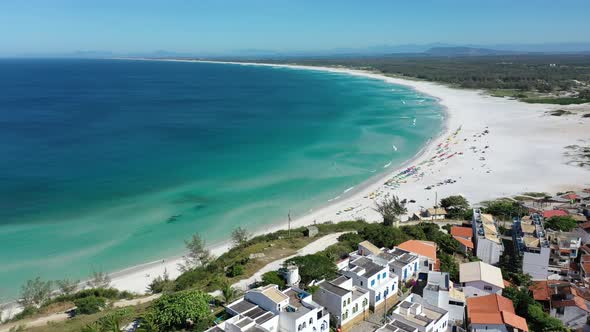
point(479, 278)
point(404, 264)
point(347, 304)
point(488, 246)
point(426, 250)
point(380, 282)
point(440, 292)
point(416, 313)
point(268, 309)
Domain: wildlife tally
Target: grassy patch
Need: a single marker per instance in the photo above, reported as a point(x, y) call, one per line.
point(535, 194)
point(556, 100)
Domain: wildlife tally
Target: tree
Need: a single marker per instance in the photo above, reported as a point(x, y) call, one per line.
point(197, 254)
point(274, 278)
point(228, 292)
point(89, 305)
point(314, 267)
point(239, 236)
point(449, 265)
point(67, 286)
point(505, 210)
point(561, 223)
point(99, 279)
point(235, 270)
point(161, 284)
point(179, 310)
point(390, 209)
point(456, 206)
point(526, 306)
point(383, 236)
point(35, 292)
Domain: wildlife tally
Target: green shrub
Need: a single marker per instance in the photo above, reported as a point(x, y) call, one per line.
point(89, 305)
point(235, 270)
point(273, 277)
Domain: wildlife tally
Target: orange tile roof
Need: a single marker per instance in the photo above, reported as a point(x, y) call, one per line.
point(494, 309)
point(423, 248)
point(554, 213)
point(515, 320)
point(507, 283)
point(465, 232)
point(463, 241)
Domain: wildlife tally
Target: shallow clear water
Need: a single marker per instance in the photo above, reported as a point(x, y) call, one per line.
point(111, 163)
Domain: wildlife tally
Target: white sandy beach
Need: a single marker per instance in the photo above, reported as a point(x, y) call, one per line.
point(525, 152)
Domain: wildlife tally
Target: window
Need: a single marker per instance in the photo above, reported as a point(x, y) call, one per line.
point(361, 282)
point(344, 304)
point(300, 327)
point(487, 288)
point(373, 282)
point(349, 300)
point(378, 277)
point(384, 275)
point(310, 320)
point(425, 263)
point(393, 288)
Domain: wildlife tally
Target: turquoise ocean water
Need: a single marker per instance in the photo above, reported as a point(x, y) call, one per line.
point(112, 163)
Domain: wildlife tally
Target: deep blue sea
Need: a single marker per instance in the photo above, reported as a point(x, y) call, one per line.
point(110, 163)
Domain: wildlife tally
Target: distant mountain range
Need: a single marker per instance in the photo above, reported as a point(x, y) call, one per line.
point(431, 49)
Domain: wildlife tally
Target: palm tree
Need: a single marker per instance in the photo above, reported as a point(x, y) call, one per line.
point(390, 209)
point(228, 292)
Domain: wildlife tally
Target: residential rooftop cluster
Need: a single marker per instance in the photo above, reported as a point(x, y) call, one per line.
point(402, 289)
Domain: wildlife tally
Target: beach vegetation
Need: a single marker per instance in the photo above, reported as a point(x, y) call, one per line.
point(505, 209)
point(180, 310)
point(383, 236)
point(35, 292)
point(314, 267)
point(99, 279)
point(273, 277)
point(449, 264)
point(530, 78)
point(161, 284)
point(456, 206)
point(89, 305)
point(561, 223)
point(390, 208)
point(239, 236)
point(235, 270)
point(67, 286)
point(198, 254)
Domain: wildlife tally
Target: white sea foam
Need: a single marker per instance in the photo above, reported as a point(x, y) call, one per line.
point(387, 165)
point(394, 147)
point(349, 189)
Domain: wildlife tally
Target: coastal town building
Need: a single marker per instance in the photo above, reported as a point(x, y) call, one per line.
point(415, 314)
point(488, 246)
point(381, 283)
point(269, 309)
point(431, 214)
point(464, 235)
point(480, 279)
point(564, 301)
point(366, 248)
point(426, 250)
point(493, 313)
point(346, 303)
point(402, 263)
point(531, 243)
point(440, 292)
point(565, 248)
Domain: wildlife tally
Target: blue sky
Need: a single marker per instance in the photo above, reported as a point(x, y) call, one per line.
point(47, 26)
